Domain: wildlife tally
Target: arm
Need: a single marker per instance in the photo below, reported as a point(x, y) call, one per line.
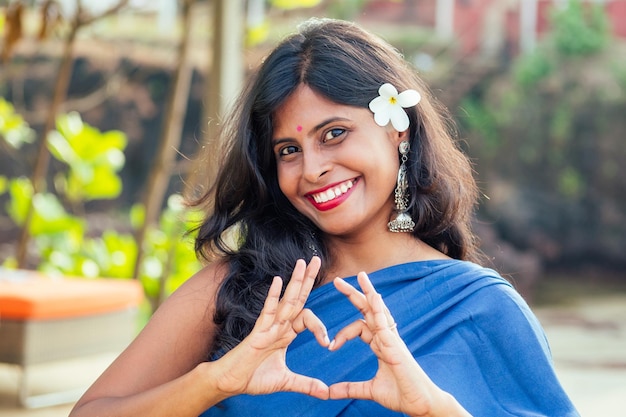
point(163, 372)
point(400, 384)
point(162, 369)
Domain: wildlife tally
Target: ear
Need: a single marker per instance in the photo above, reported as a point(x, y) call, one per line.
point(400, 136)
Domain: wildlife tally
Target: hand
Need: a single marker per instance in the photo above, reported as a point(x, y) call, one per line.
point(400, 384)
point(257, 365)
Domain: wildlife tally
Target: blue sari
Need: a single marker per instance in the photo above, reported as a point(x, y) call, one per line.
point(466, 326)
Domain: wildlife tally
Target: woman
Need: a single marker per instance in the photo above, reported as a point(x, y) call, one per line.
point(337, 154)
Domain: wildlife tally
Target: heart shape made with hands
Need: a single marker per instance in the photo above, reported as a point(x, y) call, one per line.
point(258, 364)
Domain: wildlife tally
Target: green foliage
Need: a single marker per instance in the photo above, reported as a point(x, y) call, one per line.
point(580, 29)
point(561, 125)
point(571, 183)
point(345, 9)
point(21, 192)
point(620, 75)
point(93, 159)
point(549, 135)
point(526, 108)
point(169, 250)
point(479, 119)
point(49, 216)
point(294, 4)
point(532, 68)
point(257, 34)
point(577, 30)
point(14, 131)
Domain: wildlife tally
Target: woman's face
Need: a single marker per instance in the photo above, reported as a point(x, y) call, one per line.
point(335, 164)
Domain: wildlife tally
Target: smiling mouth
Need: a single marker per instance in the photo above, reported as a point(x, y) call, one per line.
point(332, 192)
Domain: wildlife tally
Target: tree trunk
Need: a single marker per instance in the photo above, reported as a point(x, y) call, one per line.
point(159, 176)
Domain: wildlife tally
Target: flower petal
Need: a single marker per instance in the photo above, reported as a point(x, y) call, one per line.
point(399, 118)
point(378, 104)
point(389, 106)
point(382, 118)
point(409, 98)
point(387, 90)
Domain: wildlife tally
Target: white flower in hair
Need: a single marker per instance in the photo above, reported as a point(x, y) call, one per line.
point(389, 105)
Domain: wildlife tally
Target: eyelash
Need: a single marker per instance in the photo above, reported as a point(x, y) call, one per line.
point(284, 151)
point(334, 133)
point(335, 130)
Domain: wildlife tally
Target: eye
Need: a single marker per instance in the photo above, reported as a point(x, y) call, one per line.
point(288, 150)
point(333, 133)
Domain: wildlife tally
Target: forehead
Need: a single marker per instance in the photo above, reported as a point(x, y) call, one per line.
point(306, 108)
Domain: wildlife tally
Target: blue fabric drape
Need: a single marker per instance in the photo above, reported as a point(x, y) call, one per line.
point(467, 327)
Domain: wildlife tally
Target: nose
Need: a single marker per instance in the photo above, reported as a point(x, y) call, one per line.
point(315, 164)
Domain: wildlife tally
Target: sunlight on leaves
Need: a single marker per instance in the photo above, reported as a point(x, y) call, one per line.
point(13, 129)
point(94, 159)
point(294, 4)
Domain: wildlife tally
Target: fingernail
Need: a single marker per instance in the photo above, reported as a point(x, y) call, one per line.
point(326, 340)
point(332, 345)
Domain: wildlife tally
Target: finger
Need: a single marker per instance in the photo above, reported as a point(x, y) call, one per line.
point(370, 303)
point(295, 282)
point(355, 296)
point(299, 287)
point(270, 306)
point(308, 320)
point(310, 274)
point(288, 306)
point(381, 318)
point(307, 385)
point(351, 331)
point(363, 301)
point(354, 390)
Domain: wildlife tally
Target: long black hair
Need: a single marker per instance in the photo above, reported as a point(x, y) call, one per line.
point(252, 226)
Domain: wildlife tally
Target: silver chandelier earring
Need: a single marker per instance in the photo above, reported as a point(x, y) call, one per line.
point(403, 222)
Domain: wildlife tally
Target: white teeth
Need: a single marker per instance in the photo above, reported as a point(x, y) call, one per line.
point(333, 193)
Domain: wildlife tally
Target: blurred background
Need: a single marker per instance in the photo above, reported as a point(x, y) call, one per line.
point(107, 106)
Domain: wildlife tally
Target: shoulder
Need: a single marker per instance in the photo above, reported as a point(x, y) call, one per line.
point(488, 288)
point(499, 311)
point(511, 348)
point(183, 325)
point(193, 303)
point(474, 277)
point(202, 286)
point(452, 275)
point(181, 330)
point(491, 301)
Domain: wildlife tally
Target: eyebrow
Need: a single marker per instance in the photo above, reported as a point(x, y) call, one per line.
point(314, 129)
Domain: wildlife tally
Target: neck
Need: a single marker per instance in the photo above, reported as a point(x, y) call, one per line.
point(371, 253)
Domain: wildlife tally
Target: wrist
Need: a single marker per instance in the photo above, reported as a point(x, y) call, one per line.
point(445, 405)
point(451, 406)
point(210, 382)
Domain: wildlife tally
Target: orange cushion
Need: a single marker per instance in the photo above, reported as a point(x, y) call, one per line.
point(32, 295)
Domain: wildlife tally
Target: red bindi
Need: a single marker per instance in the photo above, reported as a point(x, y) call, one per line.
point(299, 128)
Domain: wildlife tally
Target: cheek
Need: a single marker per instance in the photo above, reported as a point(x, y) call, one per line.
point(286, 182)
